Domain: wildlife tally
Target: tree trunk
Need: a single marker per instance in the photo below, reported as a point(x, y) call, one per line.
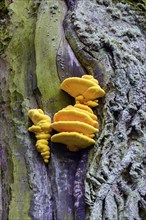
point(42, 43)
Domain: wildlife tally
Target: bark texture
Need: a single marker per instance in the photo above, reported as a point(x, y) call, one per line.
point(115, 183)
point(42, 43)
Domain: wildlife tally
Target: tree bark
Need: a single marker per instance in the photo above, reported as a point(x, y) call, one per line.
point(42, 43)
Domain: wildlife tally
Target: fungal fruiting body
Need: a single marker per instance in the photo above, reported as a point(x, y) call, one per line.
point(85, 90)
point(78, 124)
point(42, 130)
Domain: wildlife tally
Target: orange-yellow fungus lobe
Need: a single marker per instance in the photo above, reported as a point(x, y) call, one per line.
point(75, 86)
point(77, 126)
point(93, 93)
point(37, 115)
point(71, 107)
point(72, 115)
point(84, 107)
point(73, 140)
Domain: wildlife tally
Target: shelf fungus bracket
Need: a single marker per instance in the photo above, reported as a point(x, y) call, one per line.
point(78, 124)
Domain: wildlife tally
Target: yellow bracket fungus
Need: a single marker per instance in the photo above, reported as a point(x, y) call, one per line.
point(42, 130)
point(78, 124)
point(74, 140)
point(85, 90)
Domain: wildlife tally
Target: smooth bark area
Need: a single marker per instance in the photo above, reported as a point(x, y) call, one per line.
point(42, 43)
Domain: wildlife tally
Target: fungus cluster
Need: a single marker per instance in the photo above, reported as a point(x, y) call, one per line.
point(42, 130)
point(76, 127)
point(78, 124)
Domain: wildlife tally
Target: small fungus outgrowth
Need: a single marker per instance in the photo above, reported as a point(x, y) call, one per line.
point(85, 90)
point(78, 124)
point(42, 130)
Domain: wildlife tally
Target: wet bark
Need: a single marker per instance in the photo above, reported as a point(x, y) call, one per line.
point(42, 43)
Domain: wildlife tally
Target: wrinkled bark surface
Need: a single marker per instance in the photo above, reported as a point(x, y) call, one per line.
point(42, 43)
